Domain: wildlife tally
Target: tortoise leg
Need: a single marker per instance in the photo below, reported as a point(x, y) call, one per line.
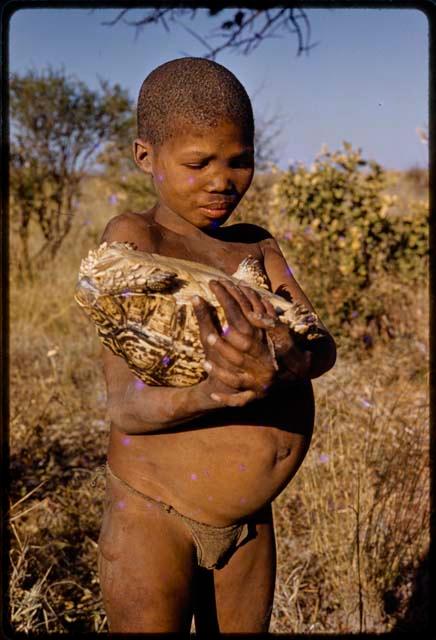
point(160, 281)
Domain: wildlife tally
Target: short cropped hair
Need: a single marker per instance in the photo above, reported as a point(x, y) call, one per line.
point(190, 91)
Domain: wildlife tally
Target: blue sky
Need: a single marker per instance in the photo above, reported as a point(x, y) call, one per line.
point(365, 82)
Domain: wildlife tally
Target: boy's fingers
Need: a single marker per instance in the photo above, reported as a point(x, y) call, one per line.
point(232, 307)
point(269, 308)
point(221, 351)
point(253, 297)
point(251, 304)
point(222, 356)
point(233, 337)
point(264, 313)
point(239, 295)
point(234, 399)
point(229, 377)
point(204, 319)
point(225, 349)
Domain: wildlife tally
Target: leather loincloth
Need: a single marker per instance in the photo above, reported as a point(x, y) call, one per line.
point(214, 545)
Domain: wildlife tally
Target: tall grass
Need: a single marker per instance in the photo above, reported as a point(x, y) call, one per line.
point(352, 527)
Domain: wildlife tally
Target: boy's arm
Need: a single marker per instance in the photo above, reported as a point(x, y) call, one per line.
point(135, 407)
point(315, 357)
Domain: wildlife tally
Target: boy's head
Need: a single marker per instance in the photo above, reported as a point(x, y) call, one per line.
point(196, 130)
point(190, 91)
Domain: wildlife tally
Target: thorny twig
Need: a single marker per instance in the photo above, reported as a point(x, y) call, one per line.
point(243, 32)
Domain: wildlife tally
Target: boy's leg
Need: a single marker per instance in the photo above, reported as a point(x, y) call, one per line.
point(244, 587)
point(146, 564)
point(242, 598)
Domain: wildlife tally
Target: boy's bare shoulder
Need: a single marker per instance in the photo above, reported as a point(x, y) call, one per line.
point(254, 234)
point(247, 232)
point(138, 228)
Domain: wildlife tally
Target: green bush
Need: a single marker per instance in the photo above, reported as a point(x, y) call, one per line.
point(57, 125)
point(336, 226)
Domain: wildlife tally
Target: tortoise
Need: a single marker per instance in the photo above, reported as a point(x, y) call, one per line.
point(141, 305)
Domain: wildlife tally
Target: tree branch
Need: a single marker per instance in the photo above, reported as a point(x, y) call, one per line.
point(239, 33)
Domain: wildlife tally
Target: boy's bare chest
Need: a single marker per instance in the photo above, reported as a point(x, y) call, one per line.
point(225, 254)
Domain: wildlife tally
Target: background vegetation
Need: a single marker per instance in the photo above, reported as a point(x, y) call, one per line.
point(352, 527)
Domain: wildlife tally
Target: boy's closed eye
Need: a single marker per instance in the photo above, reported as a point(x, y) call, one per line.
point(196, 165)
point(244, 161)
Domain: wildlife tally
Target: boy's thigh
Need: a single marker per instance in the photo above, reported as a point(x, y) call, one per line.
point(146, 566)
point(243, 590)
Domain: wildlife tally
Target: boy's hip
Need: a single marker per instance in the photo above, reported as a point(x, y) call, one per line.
point(214, 545)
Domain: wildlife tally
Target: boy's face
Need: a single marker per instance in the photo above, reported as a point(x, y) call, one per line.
point(201, 173)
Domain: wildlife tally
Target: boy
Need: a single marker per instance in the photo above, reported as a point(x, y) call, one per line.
point(192, 471)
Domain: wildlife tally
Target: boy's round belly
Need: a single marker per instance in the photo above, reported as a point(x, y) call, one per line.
point(221, 468)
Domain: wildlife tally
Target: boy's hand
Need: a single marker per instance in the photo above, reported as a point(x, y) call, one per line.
point(294, 361)
point(239, 362)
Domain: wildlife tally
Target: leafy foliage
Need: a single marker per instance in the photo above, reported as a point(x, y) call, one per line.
point(57, 126)
point(340, 230)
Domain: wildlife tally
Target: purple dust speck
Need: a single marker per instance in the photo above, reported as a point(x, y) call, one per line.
point(210, 498)
point(113, 199)
point(365, 403)
point(242, 500)
point(160, 177)
point(323, 458)
point(191, 180)
point(288, 271)
point(121, 504)
point(126, 440)
point(166, 360)
point(242, 467)
point(139, 384)
point(225, 331)
point(194, 476)
point(149, 505)
point(368, 341)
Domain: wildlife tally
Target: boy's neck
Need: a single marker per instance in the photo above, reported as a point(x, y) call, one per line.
point(167, 218)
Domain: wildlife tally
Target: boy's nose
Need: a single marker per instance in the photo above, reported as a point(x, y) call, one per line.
point(221, 181)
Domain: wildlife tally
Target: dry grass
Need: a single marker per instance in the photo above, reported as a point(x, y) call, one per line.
point(352, 528)
point(355, 519)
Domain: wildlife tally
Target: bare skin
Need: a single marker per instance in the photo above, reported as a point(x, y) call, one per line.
point(219, 451)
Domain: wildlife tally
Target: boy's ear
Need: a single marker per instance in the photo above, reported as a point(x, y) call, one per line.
point(142, 154)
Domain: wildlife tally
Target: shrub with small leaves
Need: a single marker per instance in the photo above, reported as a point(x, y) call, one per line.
point(335, 224)
point(57, 126)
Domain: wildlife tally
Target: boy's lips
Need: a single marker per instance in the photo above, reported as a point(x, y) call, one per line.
point(218, 208)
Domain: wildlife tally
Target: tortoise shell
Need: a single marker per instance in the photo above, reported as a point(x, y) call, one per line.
point(141, 305)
